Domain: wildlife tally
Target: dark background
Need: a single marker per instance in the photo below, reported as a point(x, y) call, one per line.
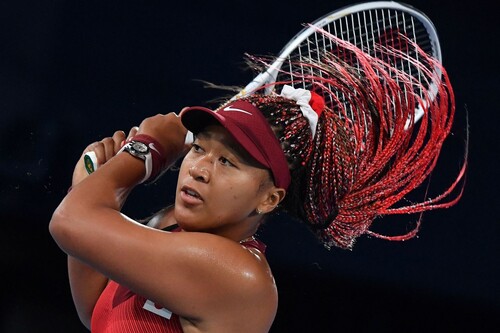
point(72, 72)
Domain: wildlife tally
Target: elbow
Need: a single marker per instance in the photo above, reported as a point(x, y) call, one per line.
point(59, 228)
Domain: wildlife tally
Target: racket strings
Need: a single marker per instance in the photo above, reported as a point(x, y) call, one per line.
point(366, 30)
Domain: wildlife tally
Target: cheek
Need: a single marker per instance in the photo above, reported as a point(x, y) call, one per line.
point(234, 194)
point(228, 192)
point(241, 193)
point(185, 164)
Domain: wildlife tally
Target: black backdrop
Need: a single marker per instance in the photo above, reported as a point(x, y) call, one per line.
point(72, 72)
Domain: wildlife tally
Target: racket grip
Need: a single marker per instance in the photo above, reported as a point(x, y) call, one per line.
point(90, 161)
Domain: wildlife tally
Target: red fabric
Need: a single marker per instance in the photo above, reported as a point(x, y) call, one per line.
point(256, 244)
point(317, 103)
point(119, 310)
point(157, 154)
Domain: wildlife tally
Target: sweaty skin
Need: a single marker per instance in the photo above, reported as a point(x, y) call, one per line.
point(204, 275)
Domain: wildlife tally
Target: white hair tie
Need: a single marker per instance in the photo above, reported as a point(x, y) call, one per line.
point(302, 97)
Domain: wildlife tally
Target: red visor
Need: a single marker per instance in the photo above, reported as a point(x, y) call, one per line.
point(250, 129)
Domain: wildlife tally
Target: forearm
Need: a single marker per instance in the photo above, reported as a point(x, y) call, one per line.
point(110, 185)
point(91, 202)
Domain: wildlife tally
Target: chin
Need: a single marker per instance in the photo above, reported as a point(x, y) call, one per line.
point(187, 219)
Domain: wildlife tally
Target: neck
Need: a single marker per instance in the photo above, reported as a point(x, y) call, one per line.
point(240, 232)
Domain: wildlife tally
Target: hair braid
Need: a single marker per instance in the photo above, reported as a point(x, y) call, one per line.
point(368, 153)
point(293, 131)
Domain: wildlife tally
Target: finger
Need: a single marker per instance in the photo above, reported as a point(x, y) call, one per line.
point(118, 139)
point(132, 132)
point(94, 156)
point(100, 152)
point(189, 135)
point(109, 148)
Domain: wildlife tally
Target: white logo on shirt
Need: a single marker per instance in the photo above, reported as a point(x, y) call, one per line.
point(151, 307)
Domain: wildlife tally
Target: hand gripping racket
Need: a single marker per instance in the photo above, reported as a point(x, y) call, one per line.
point(369, 26)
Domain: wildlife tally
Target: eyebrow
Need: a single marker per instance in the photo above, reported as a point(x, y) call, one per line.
point(234, 147)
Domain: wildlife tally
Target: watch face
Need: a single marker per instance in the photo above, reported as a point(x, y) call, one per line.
point(140, 147)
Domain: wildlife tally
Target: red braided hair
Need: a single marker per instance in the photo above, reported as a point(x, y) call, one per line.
point(368, 153)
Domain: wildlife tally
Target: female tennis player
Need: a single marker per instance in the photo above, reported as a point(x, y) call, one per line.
point(196, 266)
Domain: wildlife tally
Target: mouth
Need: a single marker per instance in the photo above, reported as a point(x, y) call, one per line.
point(190, 195)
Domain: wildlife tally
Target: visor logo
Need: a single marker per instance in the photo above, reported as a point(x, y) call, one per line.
point(231, 109)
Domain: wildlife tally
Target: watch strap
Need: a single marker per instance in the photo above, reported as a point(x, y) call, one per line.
point(154, 160)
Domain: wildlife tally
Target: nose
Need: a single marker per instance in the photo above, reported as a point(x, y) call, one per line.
point(199, 173)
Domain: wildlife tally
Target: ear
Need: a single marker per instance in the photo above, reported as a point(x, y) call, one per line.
point(273, 197)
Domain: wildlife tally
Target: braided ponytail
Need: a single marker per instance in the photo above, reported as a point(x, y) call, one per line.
point(367, 153)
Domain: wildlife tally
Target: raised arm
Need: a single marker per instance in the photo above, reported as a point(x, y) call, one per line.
point(86, 283)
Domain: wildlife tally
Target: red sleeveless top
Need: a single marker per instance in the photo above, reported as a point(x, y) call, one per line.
point(119, 310)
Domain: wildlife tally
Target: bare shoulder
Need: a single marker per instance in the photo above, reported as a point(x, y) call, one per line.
point(237, 285)
point(218, 254)
point(245, 268)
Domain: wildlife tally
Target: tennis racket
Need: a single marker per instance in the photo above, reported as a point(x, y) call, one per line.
point(369, 26)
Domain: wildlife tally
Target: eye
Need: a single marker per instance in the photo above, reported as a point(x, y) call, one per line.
point(225, 161)
point(196, 148)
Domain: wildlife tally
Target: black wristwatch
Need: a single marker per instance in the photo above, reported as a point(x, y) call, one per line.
point(137, 149)
point(142, 151)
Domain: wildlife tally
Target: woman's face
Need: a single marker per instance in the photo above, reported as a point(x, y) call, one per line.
point(219, 185)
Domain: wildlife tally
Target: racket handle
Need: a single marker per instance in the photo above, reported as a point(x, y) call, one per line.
point(90, 161)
